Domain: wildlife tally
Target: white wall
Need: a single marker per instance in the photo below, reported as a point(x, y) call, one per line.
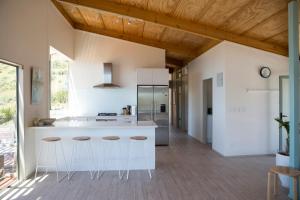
point(204, 67)
point(243, 122)
point(250, 124)
point(28, 28)
point(91, 51)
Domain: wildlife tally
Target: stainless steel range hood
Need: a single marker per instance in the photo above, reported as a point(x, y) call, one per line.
point(107, 77)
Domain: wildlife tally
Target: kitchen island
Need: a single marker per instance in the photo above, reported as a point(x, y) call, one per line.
point(122, 127)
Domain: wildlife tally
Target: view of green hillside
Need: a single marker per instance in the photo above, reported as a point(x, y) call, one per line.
point(7, 93)
point(59, 82)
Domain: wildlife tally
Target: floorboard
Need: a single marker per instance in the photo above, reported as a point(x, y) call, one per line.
point(186, 169)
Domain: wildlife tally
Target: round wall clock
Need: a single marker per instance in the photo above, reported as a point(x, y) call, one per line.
point(265, 72)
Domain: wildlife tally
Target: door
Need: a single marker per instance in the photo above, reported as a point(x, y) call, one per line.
point(284, 106)
point(8, 123)
point(161, 114)
point(145, 103)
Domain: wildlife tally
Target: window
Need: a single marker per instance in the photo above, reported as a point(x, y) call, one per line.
point(59, 84)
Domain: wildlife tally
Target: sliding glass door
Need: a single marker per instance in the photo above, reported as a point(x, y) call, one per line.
point(8, 123)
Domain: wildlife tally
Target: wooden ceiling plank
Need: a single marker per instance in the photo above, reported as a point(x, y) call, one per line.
point(63, 12)
point(104, 26)
point(205, 9)
point(207, 46)
point(280, 33)
point(174, 48)
point(252, 14)
point(143, 29)
point(199, 29)
point(81, 15)
point(188, 9)
point(163, 6)
point(265, 20)
point(123, 25)
point(280, 38)
point(274, 25)
point(91, 17)
point(113, 22)
point(133, 26)
point(162, 34)
point(153, 31)
point(220, 11)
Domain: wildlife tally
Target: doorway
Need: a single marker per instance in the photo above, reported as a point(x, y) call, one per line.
point(9, 127)
point(208, 110)
point(284, 106)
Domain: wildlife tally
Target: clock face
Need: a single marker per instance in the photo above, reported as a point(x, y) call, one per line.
point(265, 72)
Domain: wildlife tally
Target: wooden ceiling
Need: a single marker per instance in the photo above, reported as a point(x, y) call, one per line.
point(184, 28)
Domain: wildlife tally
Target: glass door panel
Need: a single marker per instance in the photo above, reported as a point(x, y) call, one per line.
point(8, 124)
point(145, 103)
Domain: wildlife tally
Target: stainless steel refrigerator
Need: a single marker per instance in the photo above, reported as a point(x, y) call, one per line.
point(153, 104)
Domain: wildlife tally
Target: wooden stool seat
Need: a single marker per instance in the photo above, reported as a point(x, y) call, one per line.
point(81, 138)
point(111, 138)
point(51, 139)
point(287, 171)
point(138, 138)
point(282, 170)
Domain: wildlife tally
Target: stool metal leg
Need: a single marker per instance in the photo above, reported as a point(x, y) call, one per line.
point(37, 163)
point(64, 157)
point(100, 162)
point(56, 161)
point(71, 172)
point(147, 161)
point(118, 157)
point(90, 152)
point(128, 159)
point(114, 146)
point(47, 146)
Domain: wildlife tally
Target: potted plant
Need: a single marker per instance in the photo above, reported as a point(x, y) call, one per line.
point(283, 156)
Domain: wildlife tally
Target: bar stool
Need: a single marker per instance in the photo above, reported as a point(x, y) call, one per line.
point(85, 142)
point(51, 142)
point(277, 170)
point(136, 140)
point(110, 144)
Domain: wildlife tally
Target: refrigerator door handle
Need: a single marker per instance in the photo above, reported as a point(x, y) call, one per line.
point(154, 112)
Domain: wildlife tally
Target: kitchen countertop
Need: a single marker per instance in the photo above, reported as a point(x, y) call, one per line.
point(99, 124)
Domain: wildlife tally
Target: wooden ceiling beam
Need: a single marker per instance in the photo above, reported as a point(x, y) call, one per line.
point(173, 63)
point(137, 39)
point(181, 24)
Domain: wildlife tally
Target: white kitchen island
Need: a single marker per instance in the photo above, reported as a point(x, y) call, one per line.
point(124, 128)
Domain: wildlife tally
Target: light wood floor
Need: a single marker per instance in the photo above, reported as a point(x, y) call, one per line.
point(186, 170)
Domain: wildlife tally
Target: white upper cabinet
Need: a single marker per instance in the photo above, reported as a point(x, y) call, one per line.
point(160, 77)
point(152, 76)
point(144, 76)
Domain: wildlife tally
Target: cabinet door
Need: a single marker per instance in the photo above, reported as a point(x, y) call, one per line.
point(160, 77)
point(144, 76)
